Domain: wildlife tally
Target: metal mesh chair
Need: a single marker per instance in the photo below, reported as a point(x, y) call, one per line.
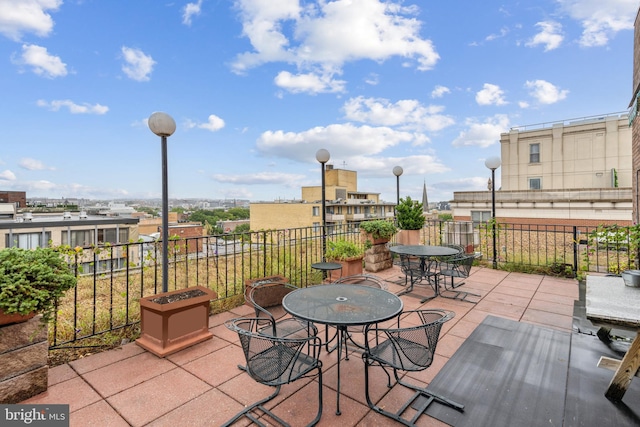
point(409, 348)
point(362, 280)
point(416, 270)
point(266, 299)
point(275, 361)
point(457, 267)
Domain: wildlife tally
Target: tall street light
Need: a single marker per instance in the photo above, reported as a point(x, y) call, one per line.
point(397, 171)
point(493, 163)
point(163, 125)
point(323, 157)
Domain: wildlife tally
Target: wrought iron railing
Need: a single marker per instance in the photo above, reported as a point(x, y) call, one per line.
point(111, 279)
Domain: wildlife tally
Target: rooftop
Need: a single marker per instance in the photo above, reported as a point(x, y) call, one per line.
point(202, 385)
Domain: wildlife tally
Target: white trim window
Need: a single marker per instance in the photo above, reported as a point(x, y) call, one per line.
point(534, 153)
point(535, 183)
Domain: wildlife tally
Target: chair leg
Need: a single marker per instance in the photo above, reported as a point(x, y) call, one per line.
point(247, 412)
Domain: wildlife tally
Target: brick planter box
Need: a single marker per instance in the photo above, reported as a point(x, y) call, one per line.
point(172, 321)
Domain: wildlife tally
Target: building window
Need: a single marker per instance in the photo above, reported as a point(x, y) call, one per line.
point(82, 238)
point(534, 153)
point(535, 184)
point(480, 216)
point(316, 211)
point(28, 240)
point(316, 227)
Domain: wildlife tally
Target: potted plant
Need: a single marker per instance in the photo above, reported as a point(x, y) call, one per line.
point(410, 217)
point(377, 231)
point(346, 253)
point(31, 282)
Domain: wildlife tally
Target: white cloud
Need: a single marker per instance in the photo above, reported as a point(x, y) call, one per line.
point(550, 35)
point(33, 165)
point(406, 114)
point(321, 37)
point(137, 65)
point(190, 10)
point(43, 63)
point(311, 83)
point(73, 107)
point(503, 32)
point(214, 123)
point(275, 178)
point(490, 95)
point(601, 19)
point(482, 134)
point(342, 140)
point(523, 104)
point(7, 175)
point(545, 92)
point(439, 91)
point(18, 17)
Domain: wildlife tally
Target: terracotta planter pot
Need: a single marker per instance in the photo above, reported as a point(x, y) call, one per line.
point(9, 319)
point(369, 236)
point(172, 321)
point(349, 268)
point(408, 237)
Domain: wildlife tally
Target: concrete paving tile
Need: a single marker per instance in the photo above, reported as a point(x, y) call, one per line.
point(100, 360)
point(116, 377)
point(75, 392)
point(98, 414)
point(61, 373)
point(156, 397)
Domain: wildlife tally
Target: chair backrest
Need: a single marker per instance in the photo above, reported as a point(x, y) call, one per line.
point(411, 348)
point(461, 264)
point(272, 360)
point(363, 280)
point(410, 264)
point(269, 296)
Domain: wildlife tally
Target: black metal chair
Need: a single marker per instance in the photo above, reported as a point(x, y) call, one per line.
point(362, 280)
point(416, 270)
point(275, 361)
point(457, 267)
point(409, 348)
point(266, 299)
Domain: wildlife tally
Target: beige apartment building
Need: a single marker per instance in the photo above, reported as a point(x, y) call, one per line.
point(344, 205)
point(572, 172)
point(29, 231)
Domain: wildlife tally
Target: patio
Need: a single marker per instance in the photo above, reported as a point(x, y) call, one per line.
point(203, 386)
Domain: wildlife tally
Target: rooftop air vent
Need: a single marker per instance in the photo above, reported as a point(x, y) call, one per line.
point(27, 216)
point(66, 215)
point(83, 215)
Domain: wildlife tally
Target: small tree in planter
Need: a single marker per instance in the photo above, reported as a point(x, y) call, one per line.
point(346, 253)
point(410, 219)
point(32, 281)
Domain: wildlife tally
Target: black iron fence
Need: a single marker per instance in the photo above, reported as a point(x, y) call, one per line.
point(112, 279)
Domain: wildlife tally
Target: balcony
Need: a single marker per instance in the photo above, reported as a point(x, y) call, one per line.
point(202, 384)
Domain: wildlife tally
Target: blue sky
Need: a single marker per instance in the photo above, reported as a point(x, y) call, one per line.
point(256, 87)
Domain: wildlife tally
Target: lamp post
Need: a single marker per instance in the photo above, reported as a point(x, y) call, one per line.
point(493, 163)
point(163, 125)
point(397, 171)
point(323, 157)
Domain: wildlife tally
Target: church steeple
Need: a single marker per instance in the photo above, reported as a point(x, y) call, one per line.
point(425, 200)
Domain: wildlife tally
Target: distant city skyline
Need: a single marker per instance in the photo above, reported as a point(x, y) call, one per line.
point(256, 88)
